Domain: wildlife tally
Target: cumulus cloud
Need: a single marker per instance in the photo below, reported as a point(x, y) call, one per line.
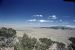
point(52, 17)
point(37, 15)
point(32, 20)
point(43, 20)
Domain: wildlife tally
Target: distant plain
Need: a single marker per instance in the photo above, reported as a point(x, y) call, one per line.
point(54, 34)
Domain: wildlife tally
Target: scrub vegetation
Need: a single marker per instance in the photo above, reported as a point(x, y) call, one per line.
point(8, 35)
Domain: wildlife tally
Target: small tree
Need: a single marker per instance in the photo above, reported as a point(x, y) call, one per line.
point(28, 43)
point(45, 43)
point(7, 36)
point(60, 45)
point(72, 45)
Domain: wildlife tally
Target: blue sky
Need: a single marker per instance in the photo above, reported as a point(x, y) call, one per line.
point(22, 13)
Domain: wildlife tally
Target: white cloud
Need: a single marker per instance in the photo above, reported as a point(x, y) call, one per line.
point(37, 15)
point(52, 17)
point(32, 20)
point(43, 21)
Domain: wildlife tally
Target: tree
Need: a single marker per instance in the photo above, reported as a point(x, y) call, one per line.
point(40, 46)
point(72, 45)
point(7, 32)
point(11, 32)
point(7, 36)
point(45, 43)
point(28, 43)
point(18, 46)
point(3, 31)
point(60, 45)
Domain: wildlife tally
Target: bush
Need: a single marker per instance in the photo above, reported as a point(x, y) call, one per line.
point(72, 45)
point(7, 36)
point(7, 32)
point(28, 43)
point(46, 41)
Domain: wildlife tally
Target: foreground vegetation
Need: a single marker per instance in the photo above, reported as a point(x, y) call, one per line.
point(28, 43)
point(7, 36)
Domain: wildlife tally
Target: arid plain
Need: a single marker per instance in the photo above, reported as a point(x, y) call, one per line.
point(59, 35)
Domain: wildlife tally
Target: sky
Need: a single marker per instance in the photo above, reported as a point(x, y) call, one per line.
point(36, 13)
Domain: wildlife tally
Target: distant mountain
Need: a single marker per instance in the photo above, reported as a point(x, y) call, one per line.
point(58, 27)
